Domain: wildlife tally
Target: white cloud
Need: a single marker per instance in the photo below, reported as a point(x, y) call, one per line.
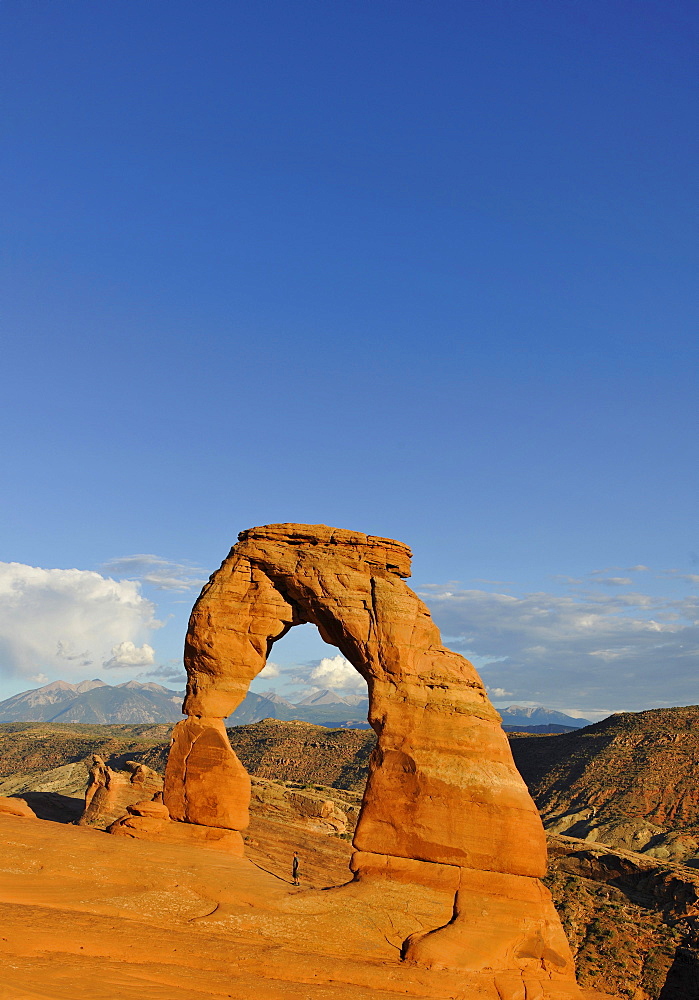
point(337, 673)
point(269, 670)
point(499, 692)
point(59, 621)
point(627, 651)
point(156, 571)
point(128, 654)
point(334, 672)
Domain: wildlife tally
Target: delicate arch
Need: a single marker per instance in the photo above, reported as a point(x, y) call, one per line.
point(442, 785)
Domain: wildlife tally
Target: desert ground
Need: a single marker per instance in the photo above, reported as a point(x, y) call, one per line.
point(629, 916)
point(113, 918)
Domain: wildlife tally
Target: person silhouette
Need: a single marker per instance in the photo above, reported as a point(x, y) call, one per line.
point(295, 869)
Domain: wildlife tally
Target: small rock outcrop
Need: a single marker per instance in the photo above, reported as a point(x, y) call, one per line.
point(110, 792)
point(150, 820)
point(442, 792)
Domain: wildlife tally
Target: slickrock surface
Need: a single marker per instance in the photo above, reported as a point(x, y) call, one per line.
point(87, 914)
point(16, 807)
point(442, 792)
point(631, 781)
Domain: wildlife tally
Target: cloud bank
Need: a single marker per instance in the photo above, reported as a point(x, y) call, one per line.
point(157, 572)
point(61, 622)
point(587, 651)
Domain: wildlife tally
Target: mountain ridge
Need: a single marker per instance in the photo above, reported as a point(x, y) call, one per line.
point(519, 715)
point(95, 701)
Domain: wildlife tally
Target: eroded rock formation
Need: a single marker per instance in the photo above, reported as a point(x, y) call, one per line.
point(443, 793)
point(150, 820)
point(110, 792)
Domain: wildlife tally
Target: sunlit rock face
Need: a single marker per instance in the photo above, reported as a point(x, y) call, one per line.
point(109, 792)
point(442, 786)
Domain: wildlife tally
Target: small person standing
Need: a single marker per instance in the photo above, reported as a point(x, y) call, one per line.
point(295, 869)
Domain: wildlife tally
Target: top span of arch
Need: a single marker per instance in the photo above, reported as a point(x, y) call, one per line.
point(381, 552)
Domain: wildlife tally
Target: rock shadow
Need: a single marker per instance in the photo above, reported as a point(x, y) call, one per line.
point(54, 806)
point(682, 980)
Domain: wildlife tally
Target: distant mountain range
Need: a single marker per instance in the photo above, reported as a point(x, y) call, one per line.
point(94, 702)
point(98, 703)
point(517, 718)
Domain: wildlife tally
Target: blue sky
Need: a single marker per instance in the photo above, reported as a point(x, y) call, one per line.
point(422, 270)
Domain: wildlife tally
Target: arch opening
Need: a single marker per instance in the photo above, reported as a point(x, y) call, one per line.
point(308, 680)
point(307, 755)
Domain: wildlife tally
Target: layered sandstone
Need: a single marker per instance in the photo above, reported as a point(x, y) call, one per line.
point(109, 792)
point(150, 820)
point(204, 780)
point(442, 786)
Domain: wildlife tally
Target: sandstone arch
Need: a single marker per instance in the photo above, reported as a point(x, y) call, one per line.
point(443, 801)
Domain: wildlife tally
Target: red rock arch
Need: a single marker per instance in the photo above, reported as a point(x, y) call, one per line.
point(442, 790)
